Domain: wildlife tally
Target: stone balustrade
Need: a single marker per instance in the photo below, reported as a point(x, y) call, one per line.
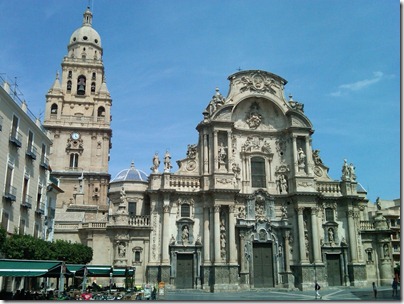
point(329, 188)
point(136, 221)
point(185, 183)
point(366, 225)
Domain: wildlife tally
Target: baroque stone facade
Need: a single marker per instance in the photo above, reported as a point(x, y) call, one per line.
point(251, 204)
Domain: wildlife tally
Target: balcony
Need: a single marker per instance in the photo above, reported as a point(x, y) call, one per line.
point(366, 225)
point(40, 209)
point(1, 123)
point(10, 193)
point(16, 138)
point(44, 162)
point(31, 152)
point(27, 202)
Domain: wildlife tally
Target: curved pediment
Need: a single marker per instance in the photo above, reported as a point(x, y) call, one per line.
point(258, 114)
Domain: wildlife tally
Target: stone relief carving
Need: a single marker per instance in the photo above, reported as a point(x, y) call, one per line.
point(256, 82)
point(295, 105)
point(74, 145)
point(256, 143)
point(254, 118)
point(241, 212)
point(236, 171)
point(224, 181)
point(280, 146)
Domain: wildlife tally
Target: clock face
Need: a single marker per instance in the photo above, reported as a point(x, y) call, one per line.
point(75, 135)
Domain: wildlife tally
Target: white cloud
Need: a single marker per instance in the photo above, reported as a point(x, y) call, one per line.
point(358, 85)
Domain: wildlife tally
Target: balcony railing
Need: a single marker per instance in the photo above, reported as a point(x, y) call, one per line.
point(44, 162)
point(31, 152)
point(139, 220)
point(40, 208)
point(27, 202)
point(16, 138)
point(10, 193)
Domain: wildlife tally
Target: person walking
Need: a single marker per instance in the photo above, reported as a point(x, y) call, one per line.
point(374, 289)
point(317, 289)
point(394, 285)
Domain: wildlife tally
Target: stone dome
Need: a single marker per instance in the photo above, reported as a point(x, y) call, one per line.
point(131, 174)
point(85, 33)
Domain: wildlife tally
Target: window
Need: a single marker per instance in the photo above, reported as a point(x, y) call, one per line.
point(132, 209)
point(4, 220)
point(369, 252)
point(69, 75)
point(93, 87)
point(81, 85)
point(258, 172)
point(93, 77)
point(36, 230)
point(329, 214)
point(44, 159)
point(185, 210)
point(69, 85)
point(21, 229)
point(25, 196)
point(137, 256)
point(54, 108)
point(31, 150)
point(39, 198)
point(101, 112)
point(74, 160)
point(10, 191)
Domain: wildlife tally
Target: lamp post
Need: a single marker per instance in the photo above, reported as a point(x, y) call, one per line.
point(111, 271)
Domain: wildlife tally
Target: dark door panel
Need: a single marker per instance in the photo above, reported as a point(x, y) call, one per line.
point(263, 265)
point(185, 271)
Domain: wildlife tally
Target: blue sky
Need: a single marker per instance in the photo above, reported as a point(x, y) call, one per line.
point(164, 59)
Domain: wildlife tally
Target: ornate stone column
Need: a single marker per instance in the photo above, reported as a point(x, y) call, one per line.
point(232, 236)
point(215, 152)
point(229, 156)
point(206, 236)
point(309, 157)
point(205, 154)
point(300, 225)
point(352, 236)
point(216, 241)
point(286, 251)
point(166, 231)
point(295, 162)
point(314, 233)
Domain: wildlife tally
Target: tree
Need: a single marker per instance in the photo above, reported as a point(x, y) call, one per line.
point(29, 248)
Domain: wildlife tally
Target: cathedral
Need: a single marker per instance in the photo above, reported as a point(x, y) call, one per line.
point(250, 206)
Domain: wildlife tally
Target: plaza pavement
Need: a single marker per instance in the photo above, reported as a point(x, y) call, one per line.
point(332, 294)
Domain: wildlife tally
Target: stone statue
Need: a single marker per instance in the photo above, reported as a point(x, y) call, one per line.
point(223, 245)
point(185, 235)
point(236, 170)
point(156, 163)
point(283, 184)
point(222, 152)
point(386, 250)
point(330, 235)
point(167, 162)
point(123, 197)
point(351, 170)
point(284, 212)
point(345, 171)
point(316, 157)
point(121, 250)
point(172, 240)
point(300, 156)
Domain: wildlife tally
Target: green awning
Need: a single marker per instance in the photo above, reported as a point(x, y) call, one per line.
point(102, 271)
point(30, 268)
point(74, 267)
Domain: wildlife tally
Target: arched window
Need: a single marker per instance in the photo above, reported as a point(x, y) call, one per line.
point(81, 85)
point(74, 160)
point(137, 256)
point(185, 210)
point(69, 76)
point(69, 85)
point(258, 178)
point(93, 87)
point(54, 109)
point(101, 112)
point(93, 77)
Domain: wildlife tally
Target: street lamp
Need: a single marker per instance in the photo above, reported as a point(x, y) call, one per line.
point(111, 271)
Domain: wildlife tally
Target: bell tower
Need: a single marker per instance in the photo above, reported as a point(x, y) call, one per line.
point(78, 116)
